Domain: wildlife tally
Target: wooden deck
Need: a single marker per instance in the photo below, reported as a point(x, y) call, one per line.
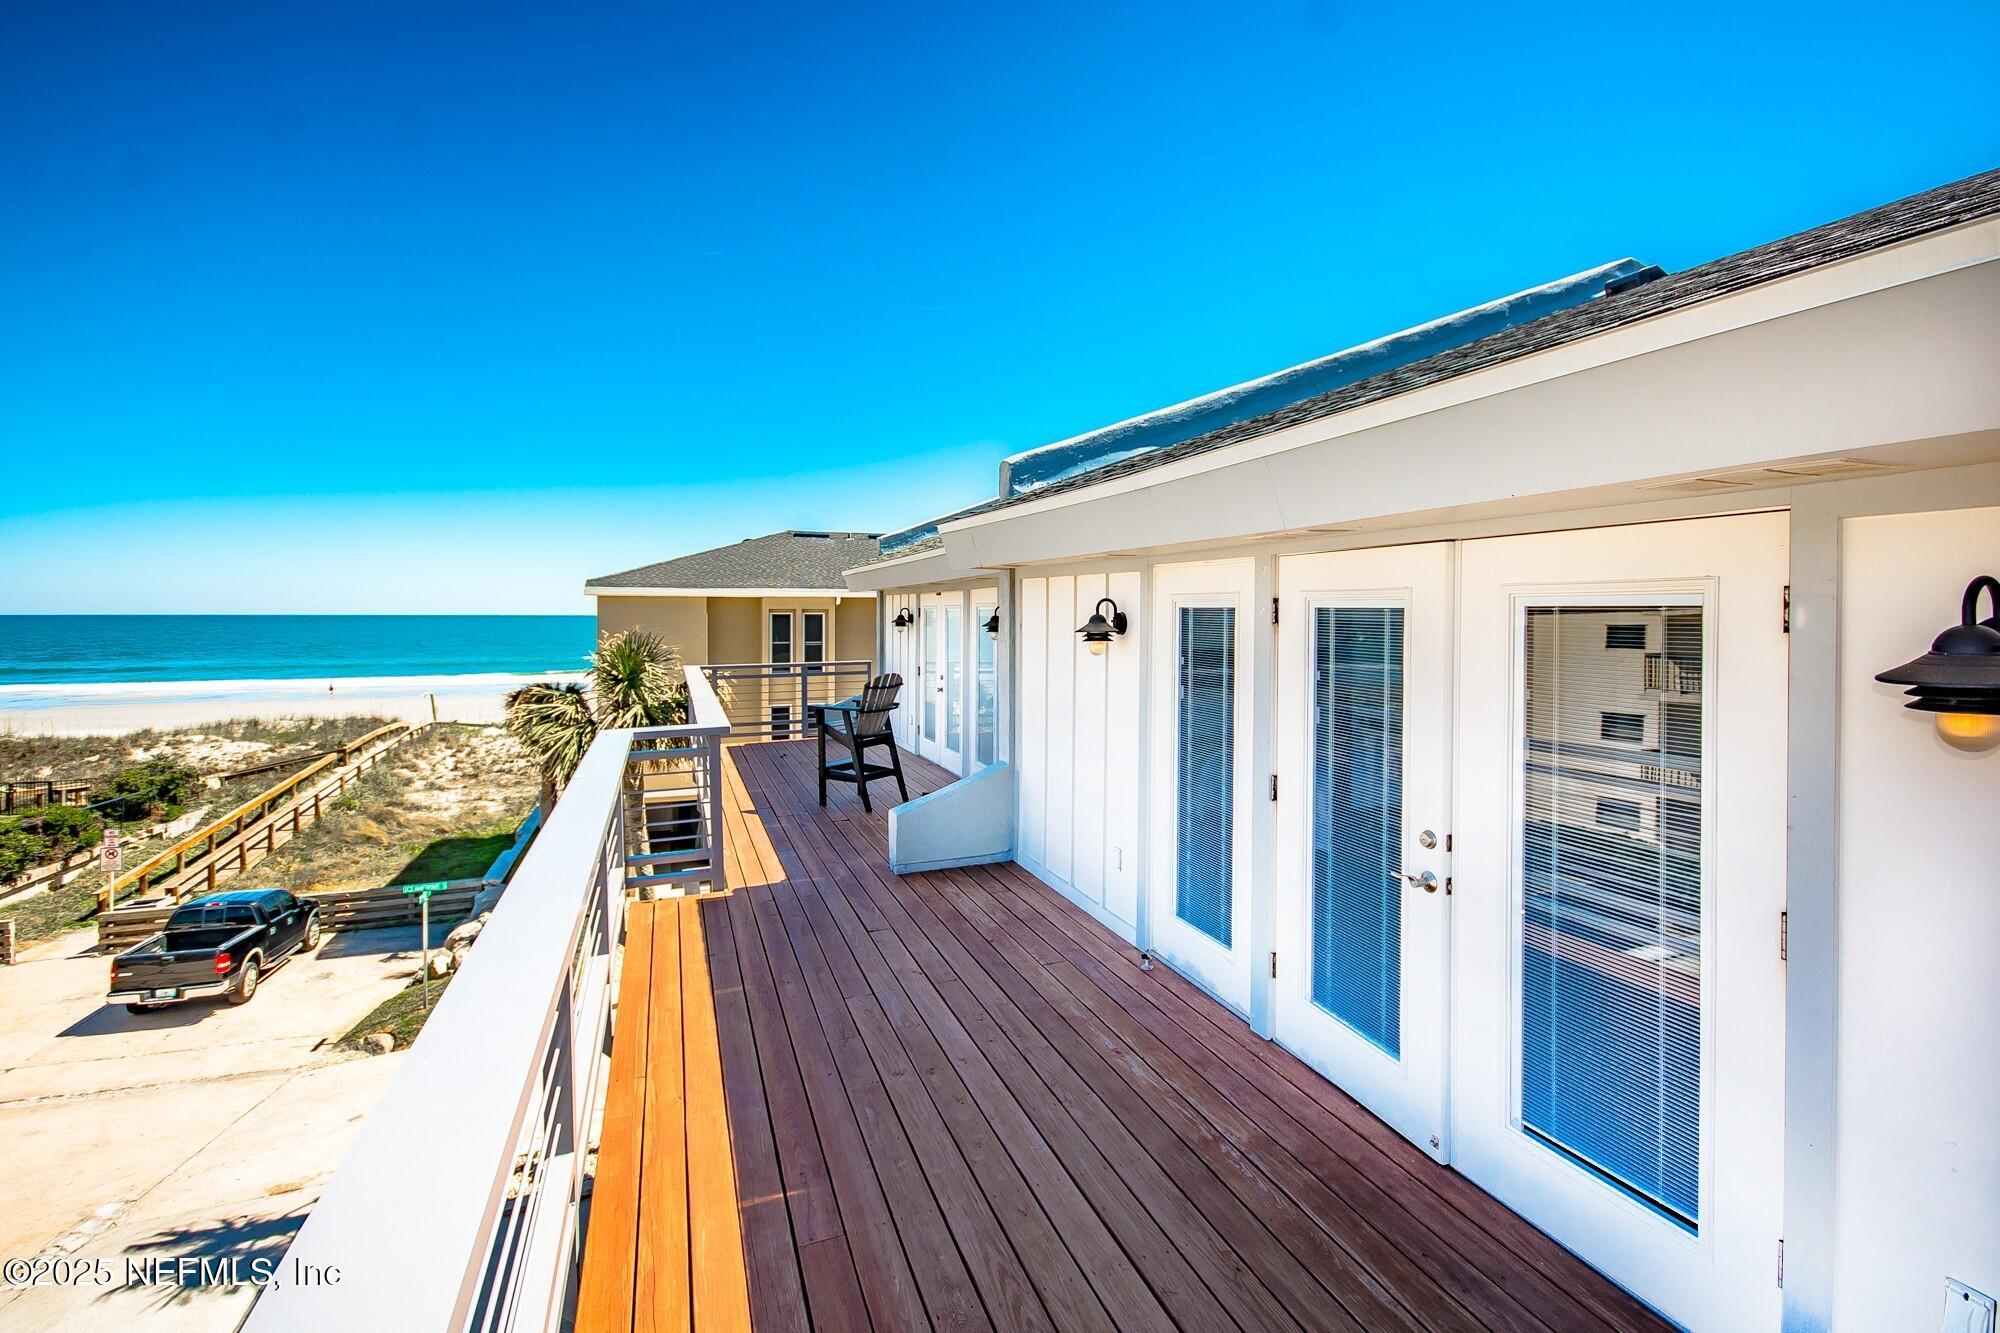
point(847, 1099)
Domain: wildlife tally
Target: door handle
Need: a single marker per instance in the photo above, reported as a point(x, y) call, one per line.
point(1427, 881)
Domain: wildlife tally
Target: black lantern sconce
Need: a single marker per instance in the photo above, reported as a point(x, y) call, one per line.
point(992, 625)
point(1958, 680)
point(1097, 631)
point(904, 619)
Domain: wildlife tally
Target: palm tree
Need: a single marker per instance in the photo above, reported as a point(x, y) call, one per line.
point(635, 681)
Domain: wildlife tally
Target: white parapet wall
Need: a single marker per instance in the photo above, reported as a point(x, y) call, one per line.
point(971, 822)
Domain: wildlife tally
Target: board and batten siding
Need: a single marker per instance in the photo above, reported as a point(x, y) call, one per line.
point(902, 651)
point(1078, 753)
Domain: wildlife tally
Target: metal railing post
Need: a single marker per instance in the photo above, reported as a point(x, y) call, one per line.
point(712, 802)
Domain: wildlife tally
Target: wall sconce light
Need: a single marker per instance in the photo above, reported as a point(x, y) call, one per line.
point(904, 619)
point(1958, 680)
point(993, 624)
point(1098, 632)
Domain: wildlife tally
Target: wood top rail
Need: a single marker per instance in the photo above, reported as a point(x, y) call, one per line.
point(138, 874)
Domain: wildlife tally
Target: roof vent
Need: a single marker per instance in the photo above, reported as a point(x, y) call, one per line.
point(1650, 273)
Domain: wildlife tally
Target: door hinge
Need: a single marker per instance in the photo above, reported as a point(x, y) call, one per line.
point(1784, 937)
point(1274, 786)
point(1787, 622)
point(1274, 610)
point(1781, 1261)
point(1274, 962)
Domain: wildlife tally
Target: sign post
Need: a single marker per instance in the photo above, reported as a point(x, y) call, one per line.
point(424, 892)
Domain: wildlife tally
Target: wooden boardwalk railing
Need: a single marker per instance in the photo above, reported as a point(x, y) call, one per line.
point(229, 844)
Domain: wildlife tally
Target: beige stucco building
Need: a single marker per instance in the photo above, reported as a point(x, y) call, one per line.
point(776, 598)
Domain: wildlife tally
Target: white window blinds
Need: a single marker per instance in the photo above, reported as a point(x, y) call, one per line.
point(1611, 895)
point(1357, 813)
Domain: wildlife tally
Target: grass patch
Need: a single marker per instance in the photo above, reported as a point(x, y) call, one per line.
point(43, 916)
point(441, 807)
point(402, 1015)
point(463, 856)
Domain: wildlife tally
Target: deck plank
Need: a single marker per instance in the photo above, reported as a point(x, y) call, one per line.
point(721, 1294)
point(661, 1301)
point(954, 1100)
point(605, 1302)
point(777, 1292)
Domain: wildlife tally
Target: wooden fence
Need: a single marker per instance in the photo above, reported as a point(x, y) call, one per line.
point(229, 845)
point(34, 795)
point(346, 909)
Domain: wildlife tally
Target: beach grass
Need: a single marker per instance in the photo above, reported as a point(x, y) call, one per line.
point(441, 807)
point(212, 749)
point(402, 1015)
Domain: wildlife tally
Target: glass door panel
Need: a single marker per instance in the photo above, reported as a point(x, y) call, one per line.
point(1205, 755)
point(1357, 813)
point(1611, 894)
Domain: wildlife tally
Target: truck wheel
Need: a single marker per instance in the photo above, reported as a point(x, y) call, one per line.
point(246, 983)
point(139, 1008)
point(312, 935)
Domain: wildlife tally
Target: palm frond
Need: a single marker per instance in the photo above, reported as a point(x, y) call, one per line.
point(554, 725)
point(637, 681)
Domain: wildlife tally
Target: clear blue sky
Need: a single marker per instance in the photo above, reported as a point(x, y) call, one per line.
point(355, 307)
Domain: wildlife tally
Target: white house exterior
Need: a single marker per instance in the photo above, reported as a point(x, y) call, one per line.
point(1495, 727)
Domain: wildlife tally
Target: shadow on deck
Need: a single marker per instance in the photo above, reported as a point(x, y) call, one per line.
point(843, 1098)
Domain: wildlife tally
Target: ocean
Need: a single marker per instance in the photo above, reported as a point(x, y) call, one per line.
point(85, 650)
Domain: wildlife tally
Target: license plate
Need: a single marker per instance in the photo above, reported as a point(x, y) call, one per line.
point(170, 993)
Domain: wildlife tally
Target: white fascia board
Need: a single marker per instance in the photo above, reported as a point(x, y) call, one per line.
point(834, 594)
point(1901, 377)
point(922, 569)
point(978, 538)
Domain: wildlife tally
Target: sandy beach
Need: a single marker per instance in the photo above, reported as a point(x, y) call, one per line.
point(113, 708)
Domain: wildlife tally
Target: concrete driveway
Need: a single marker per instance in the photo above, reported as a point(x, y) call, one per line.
point(204, 1130)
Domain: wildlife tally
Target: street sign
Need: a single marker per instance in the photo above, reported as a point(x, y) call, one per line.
point(110, 858)
point(427, 889)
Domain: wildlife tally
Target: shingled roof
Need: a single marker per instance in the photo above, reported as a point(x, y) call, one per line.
point(790, 559)
point(1951, 205)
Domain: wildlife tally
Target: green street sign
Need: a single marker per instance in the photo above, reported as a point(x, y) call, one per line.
point(434, 886)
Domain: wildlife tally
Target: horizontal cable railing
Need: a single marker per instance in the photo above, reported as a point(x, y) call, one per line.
point(772, 700)
point(458, 1206)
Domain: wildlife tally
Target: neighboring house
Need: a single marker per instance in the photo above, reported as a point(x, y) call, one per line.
point(1494, 725)
point(776, 598)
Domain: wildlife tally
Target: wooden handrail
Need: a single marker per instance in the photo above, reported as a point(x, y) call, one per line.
point(108, 895)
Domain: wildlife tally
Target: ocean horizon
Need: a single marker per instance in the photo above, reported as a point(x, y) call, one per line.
point(83, 650)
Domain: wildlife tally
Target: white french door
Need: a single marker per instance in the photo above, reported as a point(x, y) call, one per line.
point(1198, 896)
point(1617, 998)
point(941, 739)
point(1363, 837)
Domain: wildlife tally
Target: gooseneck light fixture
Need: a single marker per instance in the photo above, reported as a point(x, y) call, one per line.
point(1958, 680)
point(993, 624)
point(1098, 631)
point(904, 619)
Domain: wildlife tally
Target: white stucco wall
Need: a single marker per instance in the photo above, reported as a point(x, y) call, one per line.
point(1917, 1155)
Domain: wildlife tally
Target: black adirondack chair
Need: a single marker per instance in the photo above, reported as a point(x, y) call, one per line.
point(861, 724)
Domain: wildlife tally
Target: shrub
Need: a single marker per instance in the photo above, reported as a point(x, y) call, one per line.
point(157, 786)
point(20, 850)
point(64, 827)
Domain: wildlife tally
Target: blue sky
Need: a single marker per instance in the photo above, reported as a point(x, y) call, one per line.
point(357, 307)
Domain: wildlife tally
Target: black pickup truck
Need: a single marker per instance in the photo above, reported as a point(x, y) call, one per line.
point(221, 944)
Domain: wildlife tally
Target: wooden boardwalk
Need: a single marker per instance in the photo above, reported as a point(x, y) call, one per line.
point(847, 1099)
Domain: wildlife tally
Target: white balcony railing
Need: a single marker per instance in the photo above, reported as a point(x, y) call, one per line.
point(457, 1207)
